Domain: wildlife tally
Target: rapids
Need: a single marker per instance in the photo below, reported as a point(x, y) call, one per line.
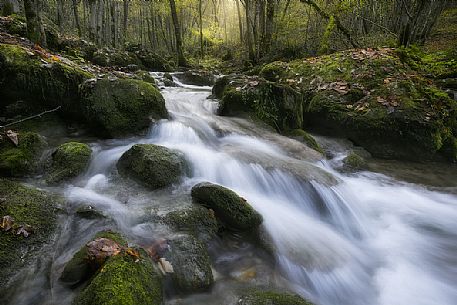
point(365, 238)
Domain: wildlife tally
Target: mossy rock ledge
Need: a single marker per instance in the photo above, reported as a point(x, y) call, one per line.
point(373, 97)
point(153, 166)
point(36, 211)
point(68, 161)
point(233, 211)
point(23, 159)
point(118, 107)
point(259, 297)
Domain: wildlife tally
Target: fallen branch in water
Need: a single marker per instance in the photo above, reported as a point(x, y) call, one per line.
point(31, 117)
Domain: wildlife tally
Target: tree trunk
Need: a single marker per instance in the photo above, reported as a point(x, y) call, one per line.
point(125, 23)
point(60, 16)
point(35, 29)
point(76, 16)
point(240, 22)
point(248, 32)
point(200, 21)
point(174, 15)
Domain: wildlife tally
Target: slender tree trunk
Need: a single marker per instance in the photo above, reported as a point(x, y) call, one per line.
point(35, 29)
point(248, 31)
point(240, 21)
point(76, 16)
point(125, 23)
point(269, 25)
point(60, 14)
point(179, 50)
point(200, 23)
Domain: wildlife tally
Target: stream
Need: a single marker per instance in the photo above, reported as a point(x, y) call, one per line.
point(338, 239)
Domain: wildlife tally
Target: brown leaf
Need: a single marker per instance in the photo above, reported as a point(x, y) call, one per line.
point(25, 230)
point(157, 249)
point(100, 249)
point(165, 266)
point(7, 223)
point(133, 253)
point(13, 137)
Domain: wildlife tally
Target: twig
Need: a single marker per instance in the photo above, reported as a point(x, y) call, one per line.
point(31, 117)
point(378, 25)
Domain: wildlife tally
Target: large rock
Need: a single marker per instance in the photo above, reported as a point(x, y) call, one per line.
point(22, 159)
point(374, 97)
point(152, 165)
point(80, 267)
point(33, 212)
point(68, 161)
point(117, 107)
point(196, 220)
point(125, 280)
point(233, 211)
point(191, 264)
point(258, 297)
point(198, 78)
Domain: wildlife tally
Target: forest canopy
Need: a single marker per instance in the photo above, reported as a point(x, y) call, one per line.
point(251, 30)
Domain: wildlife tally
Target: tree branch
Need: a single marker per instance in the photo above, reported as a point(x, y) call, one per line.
point(30, 117)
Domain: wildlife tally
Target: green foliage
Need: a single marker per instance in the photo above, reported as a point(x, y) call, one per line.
point(325, 43)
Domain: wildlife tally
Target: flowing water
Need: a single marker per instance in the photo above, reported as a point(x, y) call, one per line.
point(338, 239)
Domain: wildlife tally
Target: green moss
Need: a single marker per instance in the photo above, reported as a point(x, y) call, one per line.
point(196, 220)
point(232, 210)
point(122, 280)
point(152, 165)
point(145, 76)
point(68, 161)
point(122, 106)
point(256, 297)
point(354, 162)
point(27, 206)
point(22, 159)
point(273, 71)
point(307, 138)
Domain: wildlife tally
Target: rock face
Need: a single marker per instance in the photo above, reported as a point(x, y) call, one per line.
point(196, 220)
point(22, 159)
point(198, 78)
point(232, 210)
point(353, 162)
point(32, 210)
point(191, 265)
point(68, 161)
point(374, 97)
point(152, 165)
point(119, 107)
point(123, 280)
point(257, 297)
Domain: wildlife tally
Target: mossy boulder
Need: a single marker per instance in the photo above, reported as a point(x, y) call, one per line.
point(124, 280)
point(196, 77)
point(152, 61)
point(258, 297)
point(118, 107)
point(80, 268)
point(39, 80)
point(191, 264)
point(302, 135)
point(145, 76)
point(354, 162)
point(109, 57)
point(195, 220)
point(32, 209)
point(14, 25)
point(278, 105)
point(152, 165)
point(233, 211)
point(68, 161)
point(23, 159)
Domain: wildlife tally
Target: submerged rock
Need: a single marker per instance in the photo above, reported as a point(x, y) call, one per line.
point(68, 161)
point(258, 297)
point(191, 264)
point(232, 210)
point(152, 165)
point(33, 215)
point(22, 159)
point(354, 162)
point(117, 107)
point(307, 138)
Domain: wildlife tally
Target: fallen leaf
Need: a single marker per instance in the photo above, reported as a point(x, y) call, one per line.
point(7, 223)
point(100, 249)
point(165, 266)
point(133, 253)
point(13, 137)
point(24, 230)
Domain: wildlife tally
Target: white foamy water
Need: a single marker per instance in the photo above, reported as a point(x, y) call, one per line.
point(364, 239)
